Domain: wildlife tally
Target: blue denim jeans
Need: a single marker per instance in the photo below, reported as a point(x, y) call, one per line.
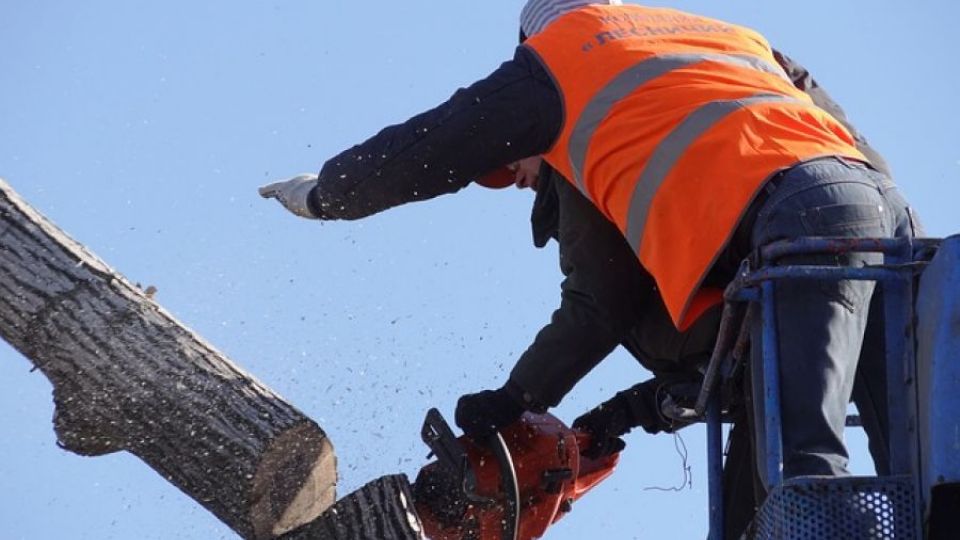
point(822, 324)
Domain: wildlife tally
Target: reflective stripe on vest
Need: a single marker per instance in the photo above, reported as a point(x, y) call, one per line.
point(631, 79)
point(672, 124)
point(672, 147)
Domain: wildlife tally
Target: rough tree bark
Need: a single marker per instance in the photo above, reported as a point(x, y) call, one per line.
point(127, 376)
point(380, 510)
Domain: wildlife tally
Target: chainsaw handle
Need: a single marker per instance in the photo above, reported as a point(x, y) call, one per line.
point(508, 477)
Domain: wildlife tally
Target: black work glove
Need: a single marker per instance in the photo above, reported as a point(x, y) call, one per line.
point(482, 414)
point(636, 406)
point(605, 424)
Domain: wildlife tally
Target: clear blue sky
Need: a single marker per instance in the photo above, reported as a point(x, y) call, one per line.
point(144, 128)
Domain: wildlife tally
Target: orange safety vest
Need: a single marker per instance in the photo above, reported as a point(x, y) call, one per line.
point(673, 122)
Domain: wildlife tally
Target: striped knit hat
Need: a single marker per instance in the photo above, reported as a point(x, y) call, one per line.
point(537, 14)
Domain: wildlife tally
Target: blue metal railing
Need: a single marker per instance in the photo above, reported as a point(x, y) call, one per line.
point(903, 260)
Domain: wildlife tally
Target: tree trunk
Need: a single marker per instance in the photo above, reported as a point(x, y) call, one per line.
point(381, 510)
point(127, 376)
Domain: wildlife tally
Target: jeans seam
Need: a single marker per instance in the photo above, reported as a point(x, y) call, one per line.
point(915, 230)
point(775, 201)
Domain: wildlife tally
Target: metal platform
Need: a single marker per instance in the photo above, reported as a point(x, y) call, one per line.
point(851, 508)
point(923, 406)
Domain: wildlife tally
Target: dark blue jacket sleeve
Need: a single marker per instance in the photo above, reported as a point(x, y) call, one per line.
point(515, 112)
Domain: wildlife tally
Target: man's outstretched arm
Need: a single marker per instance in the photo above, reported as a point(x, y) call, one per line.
point(513, 113)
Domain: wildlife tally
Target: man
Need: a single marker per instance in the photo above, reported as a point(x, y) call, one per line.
point(682, 131)
point(608, 300)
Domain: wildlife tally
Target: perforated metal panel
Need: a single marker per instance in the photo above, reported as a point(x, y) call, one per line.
point(839, 508)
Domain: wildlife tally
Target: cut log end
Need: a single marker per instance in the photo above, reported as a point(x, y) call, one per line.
point(295, 481)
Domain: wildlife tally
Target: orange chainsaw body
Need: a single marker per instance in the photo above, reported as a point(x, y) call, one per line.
point(550, 472)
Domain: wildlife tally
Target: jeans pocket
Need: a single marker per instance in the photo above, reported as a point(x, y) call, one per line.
point(852, 220)
point(861, 220)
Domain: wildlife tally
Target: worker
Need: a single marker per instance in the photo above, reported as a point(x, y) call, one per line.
point(608, 299)
point(684, 133)
point(607, 295)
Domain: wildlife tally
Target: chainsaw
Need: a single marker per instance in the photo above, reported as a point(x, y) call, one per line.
point(511, 487)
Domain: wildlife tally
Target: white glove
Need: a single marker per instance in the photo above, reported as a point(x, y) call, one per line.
point(293, 194)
